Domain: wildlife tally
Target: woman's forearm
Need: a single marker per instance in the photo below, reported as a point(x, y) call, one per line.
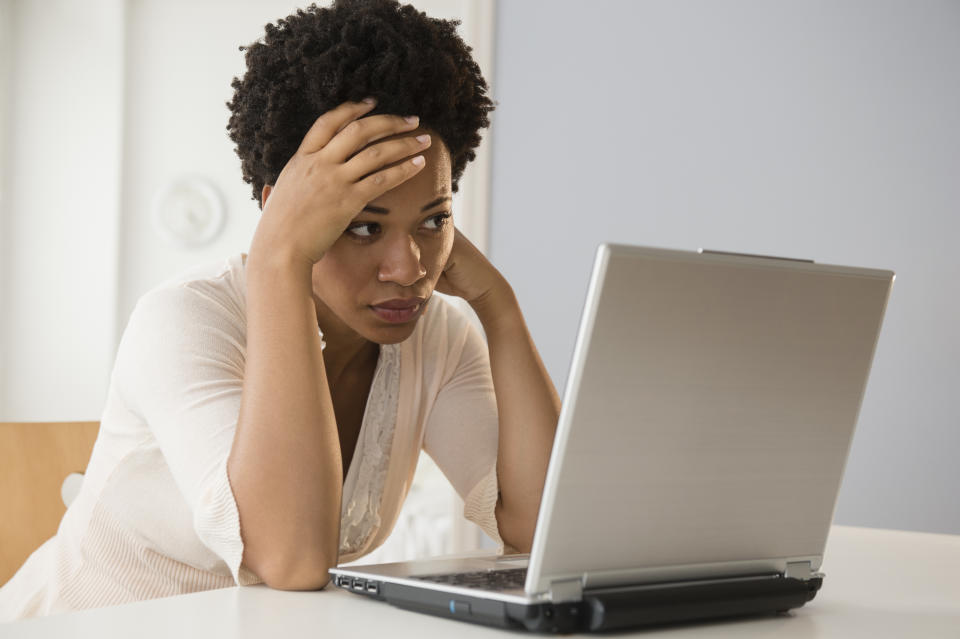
point(528, 408)
point(285, 467)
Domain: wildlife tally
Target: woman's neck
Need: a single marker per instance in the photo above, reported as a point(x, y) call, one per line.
point(346, 350)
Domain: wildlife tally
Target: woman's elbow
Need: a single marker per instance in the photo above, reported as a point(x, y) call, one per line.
point(308, 582)
point(297, 575)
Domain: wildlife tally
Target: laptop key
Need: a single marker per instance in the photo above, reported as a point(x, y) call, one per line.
point(485, 580)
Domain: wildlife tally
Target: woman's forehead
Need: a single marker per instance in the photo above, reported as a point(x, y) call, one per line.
point(433, 181)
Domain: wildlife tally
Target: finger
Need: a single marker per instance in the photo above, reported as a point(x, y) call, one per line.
point(327, 125)
point(360, 133)
point(381, 154)
point(378, 183)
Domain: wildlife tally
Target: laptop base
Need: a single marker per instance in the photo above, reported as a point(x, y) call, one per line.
point(607, 609)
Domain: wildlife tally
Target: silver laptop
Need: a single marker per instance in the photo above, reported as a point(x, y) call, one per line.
point(706, 423)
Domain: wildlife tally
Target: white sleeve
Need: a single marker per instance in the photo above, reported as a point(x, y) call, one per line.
point(462, 432)
point(180, 369)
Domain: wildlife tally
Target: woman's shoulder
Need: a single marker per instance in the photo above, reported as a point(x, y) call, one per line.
point(446, 312)
point(227, 275)
point(206, 302)
point(217, 287)
point(446, 325)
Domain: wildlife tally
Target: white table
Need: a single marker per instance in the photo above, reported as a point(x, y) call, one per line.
point(879, 583)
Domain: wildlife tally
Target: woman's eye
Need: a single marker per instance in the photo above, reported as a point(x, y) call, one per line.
point(368, 229)
point(439, 220)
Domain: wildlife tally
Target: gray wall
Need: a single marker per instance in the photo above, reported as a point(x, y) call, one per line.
point(819, 130)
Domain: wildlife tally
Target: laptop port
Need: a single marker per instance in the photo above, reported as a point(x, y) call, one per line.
point(358, 583)
point(343, 581)
point(372, 587)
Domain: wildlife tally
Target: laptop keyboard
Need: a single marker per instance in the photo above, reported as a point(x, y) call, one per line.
point(506, 579)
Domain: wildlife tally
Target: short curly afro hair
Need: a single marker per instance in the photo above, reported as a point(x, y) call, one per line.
point(317, 58)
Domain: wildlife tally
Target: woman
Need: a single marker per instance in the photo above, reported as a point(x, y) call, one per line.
point(265, 414)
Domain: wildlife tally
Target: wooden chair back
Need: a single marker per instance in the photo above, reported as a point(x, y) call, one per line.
point(35, 458)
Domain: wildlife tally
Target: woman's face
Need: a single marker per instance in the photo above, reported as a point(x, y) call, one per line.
point(394, 250)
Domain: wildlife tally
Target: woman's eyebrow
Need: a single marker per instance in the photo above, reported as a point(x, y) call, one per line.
point(382, 211)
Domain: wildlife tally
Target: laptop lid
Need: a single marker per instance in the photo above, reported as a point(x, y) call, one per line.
point(706, 420)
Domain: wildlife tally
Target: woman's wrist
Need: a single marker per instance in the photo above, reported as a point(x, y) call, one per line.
point(277, 261)
point(498, 307)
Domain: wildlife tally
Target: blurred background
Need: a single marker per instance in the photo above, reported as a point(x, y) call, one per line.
point(819, 130)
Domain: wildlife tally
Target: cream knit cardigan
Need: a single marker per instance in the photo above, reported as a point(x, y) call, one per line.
point(156, 515)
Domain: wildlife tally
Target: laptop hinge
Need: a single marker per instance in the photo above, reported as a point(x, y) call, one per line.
point(566, 590)
point(802, 570)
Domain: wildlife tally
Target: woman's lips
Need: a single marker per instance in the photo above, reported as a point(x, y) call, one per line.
point(398, 311)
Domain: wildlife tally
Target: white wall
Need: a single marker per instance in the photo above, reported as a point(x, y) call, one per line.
point(61, 208)
point(823, 130)
point(6, 71)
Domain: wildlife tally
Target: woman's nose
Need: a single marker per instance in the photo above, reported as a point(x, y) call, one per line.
point(401, 264)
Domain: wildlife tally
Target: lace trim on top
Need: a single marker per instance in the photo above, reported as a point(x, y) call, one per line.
point(360, 517)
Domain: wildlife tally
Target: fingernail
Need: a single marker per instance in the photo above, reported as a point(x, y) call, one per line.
point(418, 161)
point(370, 100)
point(423, 139)
point(412, 119)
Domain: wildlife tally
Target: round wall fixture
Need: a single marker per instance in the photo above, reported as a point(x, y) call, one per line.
point(188, 212)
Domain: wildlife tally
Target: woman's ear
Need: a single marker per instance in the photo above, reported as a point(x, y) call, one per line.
point(264, 194)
